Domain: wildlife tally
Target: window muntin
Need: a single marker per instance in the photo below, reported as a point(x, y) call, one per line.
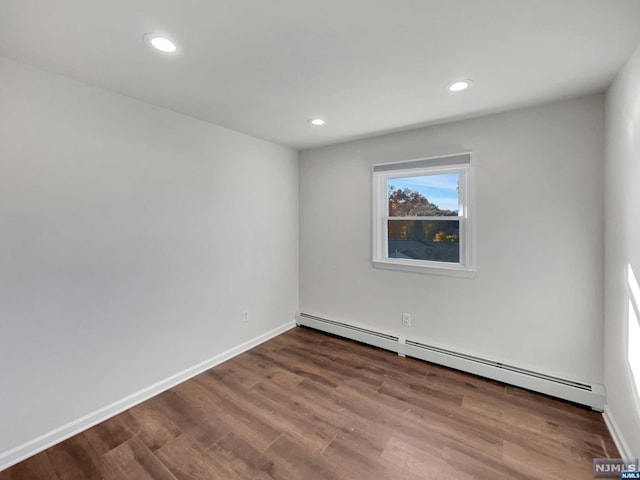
point(421, 215)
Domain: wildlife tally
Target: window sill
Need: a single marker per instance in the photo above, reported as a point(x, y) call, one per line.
point(447, 271)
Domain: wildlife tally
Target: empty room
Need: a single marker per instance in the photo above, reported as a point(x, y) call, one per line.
point(359, 240)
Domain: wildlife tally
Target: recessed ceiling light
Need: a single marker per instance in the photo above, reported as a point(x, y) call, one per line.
point(160, 43)
point(316, 122)
point(459, 85)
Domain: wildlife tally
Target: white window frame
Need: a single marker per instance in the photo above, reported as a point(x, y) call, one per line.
point(460, 163)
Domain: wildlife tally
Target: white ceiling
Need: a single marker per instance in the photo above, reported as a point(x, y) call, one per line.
point(264, 67)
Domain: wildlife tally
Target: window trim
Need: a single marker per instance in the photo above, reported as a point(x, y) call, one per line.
point(461, 163)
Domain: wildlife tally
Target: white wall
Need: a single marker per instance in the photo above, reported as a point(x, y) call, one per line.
point(622, 235)
point(537, 298)
point(131, 238)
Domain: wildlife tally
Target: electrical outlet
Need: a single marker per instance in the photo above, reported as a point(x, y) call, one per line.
point(245, 315)
point(406, 319)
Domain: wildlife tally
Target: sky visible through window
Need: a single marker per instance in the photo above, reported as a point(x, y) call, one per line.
point(439, 189)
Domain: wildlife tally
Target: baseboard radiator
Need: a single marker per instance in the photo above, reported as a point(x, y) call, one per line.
point(589, 394)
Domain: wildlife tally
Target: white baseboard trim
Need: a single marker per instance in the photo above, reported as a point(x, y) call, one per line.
point(38, 444)
point(616, 433)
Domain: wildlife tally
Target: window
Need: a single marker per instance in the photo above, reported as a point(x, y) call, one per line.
point(422, 215)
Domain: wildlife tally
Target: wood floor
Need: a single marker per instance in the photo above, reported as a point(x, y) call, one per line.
point(307, 406)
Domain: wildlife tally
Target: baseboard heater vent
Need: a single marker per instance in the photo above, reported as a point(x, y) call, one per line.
point(364, 335)
point(504, 366)
point(590, 394)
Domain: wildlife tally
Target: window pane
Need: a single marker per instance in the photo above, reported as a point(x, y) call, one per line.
point(427, 195)
point(436, 240)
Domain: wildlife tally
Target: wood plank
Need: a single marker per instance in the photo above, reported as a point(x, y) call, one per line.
point(76, 459)
point(543, 467)
point(346, 371)
point(362, 404)
point(476, 463)
point(236, 416)
point(240, 460)
point(37, 467)
point(367, 436)
point(358, 464)
point(419, 462)
point(297, 364)
point(293, 461)
point(193, 416)
point(459, 429)
point(108, 435)
point(152, 426)
point(277, 416)
point(266, 371)
point(187, 461)
point(133, 459)
point(535, 422)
